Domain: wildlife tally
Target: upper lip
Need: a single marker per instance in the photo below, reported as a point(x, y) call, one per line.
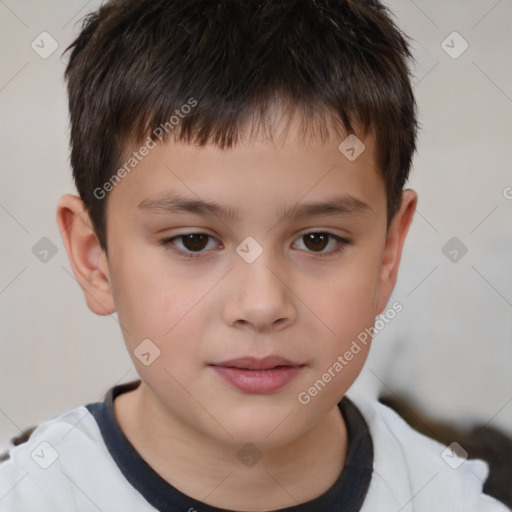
point(253, 363)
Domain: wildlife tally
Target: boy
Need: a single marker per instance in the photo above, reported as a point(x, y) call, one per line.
point(240, 166)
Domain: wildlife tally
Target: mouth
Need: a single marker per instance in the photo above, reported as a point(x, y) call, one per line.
point(253, 375)
point(254, 363)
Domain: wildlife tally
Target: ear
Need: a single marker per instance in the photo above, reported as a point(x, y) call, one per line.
point(392, 253)
point(88, 260)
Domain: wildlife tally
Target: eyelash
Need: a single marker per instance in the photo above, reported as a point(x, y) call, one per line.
point(168, 243)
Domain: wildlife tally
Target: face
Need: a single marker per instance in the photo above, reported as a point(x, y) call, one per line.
point(286, 261)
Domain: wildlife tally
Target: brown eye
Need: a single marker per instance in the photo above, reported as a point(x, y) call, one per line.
point(190, 245)
point(323, 244)
point(316, 241)
point(194, 241)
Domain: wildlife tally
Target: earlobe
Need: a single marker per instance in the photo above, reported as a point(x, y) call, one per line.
point(88, 260)
point(395, 240)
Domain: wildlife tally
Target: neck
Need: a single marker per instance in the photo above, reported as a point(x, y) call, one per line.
point(288, 475)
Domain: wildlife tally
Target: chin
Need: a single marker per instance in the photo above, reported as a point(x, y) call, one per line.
point(264, 430)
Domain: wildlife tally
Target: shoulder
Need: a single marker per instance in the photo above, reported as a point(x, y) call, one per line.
point(63, 466)
point(414, 472)
point(33, 466)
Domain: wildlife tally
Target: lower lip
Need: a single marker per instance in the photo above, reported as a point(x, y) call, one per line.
point(258, 381)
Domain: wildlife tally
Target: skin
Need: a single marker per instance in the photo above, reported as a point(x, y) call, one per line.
point(184, 419)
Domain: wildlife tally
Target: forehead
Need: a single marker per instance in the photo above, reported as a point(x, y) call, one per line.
point(272, 169)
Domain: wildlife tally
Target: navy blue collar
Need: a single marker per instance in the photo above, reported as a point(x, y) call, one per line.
point(347, 494)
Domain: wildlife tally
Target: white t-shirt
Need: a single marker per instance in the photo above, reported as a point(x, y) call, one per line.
point(82, 462)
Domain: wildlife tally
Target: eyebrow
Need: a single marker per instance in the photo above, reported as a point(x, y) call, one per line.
point(170, 203)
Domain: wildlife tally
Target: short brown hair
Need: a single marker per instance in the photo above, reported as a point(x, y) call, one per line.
point(339, 63)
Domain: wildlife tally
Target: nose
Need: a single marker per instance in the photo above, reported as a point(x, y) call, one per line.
point(260, 295)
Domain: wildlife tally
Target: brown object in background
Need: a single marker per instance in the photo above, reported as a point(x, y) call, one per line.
point(16, 440)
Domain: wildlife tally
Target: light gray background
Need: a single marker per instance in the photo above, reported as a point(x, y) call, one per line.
point(450, 349)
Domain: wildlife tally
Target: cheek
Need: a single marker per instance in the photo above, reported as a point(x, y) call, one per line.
point(161, 316)
point(168, 304)
point(151, 298)
point(347, 304)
